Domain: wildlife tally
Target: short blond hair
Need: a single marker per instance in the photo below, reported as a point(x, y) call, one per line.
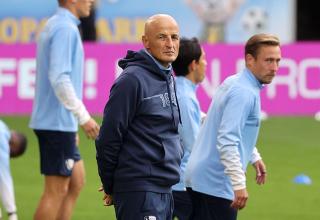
point(257, 41)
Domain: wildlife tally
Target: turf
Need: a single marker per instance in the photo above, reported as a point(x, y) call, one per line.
point(289, 146)
point(28, 181)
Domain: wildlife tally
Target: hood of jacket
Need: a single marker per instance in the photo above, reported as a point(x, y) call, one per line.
point(141, 58)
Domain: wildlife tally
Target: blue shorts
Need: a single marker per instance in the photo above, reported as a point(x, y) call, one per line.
point(58, 152)
point(182, 205)
point(207, 207)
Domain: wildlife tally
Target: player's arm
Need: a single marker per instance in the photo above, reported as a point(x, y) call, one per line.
point(236, 111)
point(65, 92)
point(190, 123)
point(61, 55)
point(259, 166)
point(6, 182)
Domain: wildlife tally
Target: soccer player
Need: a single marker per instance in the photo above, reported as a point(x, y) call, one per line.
point(138, 147)
point(58, 110)
point(216, 169)
point(12, 144)
point(190, 69)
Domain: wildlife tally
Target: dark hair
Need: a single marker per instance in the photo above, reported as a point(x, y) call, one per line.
point(257, 41)
point(18, 145)
point(61, 2)
point(189, 50)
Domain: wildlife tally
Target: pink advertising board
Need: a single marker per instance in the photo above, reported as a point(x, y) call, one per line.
point(294, 91)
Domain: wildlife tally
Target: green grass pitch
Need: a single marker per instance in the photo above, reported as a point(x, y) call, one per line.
point(289, 146)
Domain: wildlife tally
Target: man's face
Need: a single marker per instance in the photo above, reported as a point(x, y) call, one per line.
point(201, 67)
point(162, 40)
point(266, 64)
point(83, 7)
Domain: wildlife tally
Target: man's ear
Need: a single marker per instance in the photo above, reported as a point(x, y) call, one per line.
point(145, 41)
point(192, 66)
point(249, 60)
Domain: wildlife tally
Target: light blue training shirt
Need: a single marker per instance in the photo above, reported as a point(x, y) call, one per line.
point(6, 182)
point(60, 58)
point(232, 125)
point(4, 152)
point(191, 120)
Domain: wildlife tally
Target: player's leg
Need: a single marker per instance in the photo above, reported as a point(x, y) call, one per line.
point(75, 185)
point(76, 182)
point(57, 161)
point(55, 190)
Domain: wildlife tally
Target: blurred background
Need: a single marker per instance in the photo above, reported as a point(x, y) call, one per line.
point(288, 141)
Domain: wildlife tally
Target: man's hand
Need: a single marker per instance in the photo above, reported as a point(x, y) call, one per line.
point(261, 172)
point(12, 216)
point(91, 129)
point(107, 199)
point(240, 199)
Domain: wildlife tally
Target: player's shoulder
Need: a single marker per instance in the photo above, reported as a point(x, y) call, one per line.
point(236, 89)
point(59, 24)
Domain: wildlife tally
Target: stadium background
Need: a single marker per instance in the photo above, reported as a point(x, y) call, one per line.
point(288, 139)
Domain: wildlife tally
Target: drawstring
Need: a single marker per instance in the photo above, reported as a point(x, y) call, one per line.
point(175, 94)
point(170, 97)
point(170, 100)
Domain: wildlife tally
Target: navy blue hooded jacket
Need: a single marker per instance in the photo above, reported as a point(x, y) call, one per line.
point(138, 148)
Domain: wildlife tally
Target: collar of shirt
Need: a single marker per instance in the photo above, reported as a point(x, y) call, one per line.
point(187, 82)
point(161, 67)
point(253, 79)
point(68, 14)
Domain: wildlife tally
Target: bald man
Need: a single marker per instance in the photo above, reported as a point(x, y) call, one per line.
point(138, 148)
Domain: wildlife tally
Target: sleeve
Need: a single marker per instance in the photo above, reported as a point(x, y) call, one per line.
point(236, 111)
point(255, 156)
point(59, 73)
point(118, 114)
point(190, 123)
point(64, 91)
point(6, 183)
